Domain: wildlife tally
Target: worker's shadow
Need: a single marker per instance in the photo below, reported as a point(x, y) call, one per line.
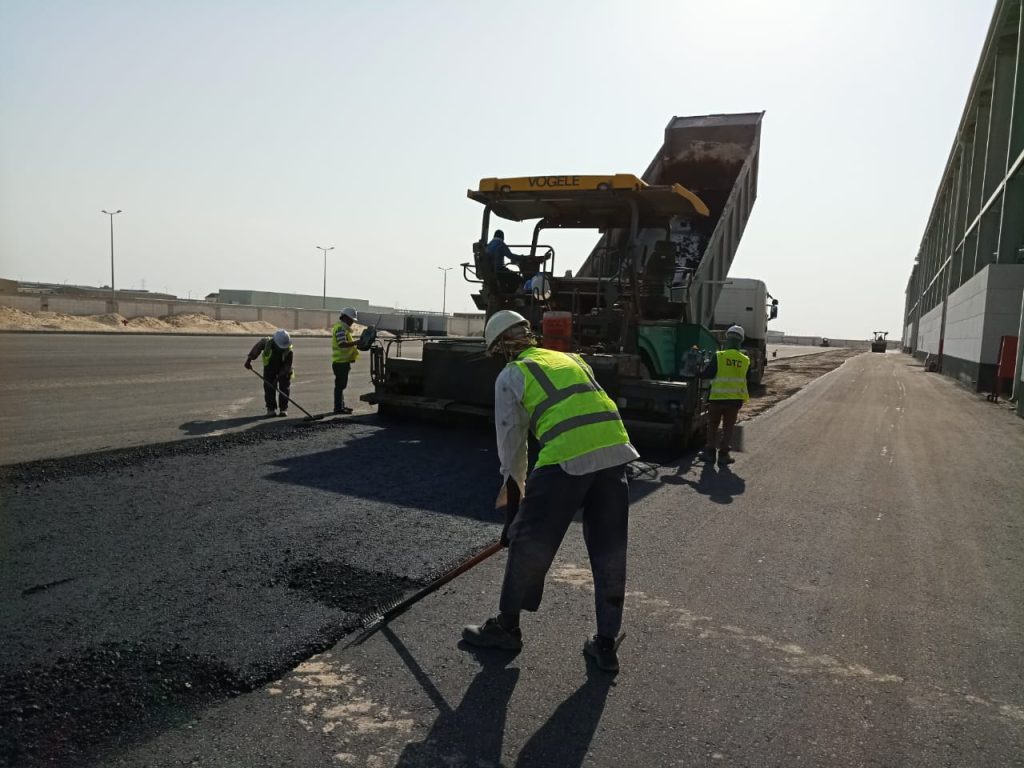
point(566, 736)
point(720, 484)
point(473, 732)
point(195, 428)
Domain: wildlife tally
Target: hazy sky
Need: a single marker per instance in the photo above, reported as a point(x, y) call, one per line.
point(238, 136)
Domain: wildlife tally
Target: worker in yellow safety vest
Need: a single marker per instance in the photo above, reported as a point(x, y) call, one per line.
point(584, 450)
point(728, 372)
point(277, 355)
point(343, 354)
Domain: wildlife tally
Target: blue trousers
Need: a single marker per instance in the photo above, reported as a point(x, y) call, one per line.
point(552, 498)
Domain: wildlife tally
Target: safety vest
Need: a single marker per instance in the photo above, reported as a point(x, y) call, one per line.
point(570, 414)
point(269, 348)
point(341, 354)
point(730, 383)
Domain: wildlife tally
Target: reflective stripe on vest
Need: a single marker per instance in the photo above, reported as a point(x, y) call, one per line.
point(341, 354)
point(570, 414)
point(730, 383)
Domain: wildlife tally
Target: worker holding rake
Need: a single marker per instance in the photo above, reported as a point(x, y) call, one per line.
point(582, 464)
point(278, 356)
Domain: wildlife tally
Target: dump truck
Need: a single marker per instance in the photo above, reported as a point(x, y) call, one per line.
point(639, 309)
point(747, 303)
point(879, 343)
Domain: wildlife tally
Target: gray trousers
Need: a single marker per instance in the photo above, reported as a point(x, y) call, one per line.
point(549, 506)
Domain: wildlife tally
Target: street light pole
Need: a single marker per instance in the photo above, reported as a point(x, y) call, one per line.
point(325, 250)
point(444, 295)
point(113, 296)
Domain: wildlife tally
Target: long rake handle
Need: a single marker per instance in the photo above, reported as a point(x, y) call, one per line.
point(401, 607)
point(282, 394)
point(439, 582)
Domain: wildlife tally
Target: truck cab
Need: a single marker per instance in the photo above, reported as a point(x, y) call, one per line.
point(746, 302)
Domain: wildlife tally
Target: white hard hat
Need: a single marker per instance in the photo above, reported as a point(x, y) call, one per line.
point(350, 312)
point(281, 338)
point(539, 286)
point(501, 322)
point(736, 330)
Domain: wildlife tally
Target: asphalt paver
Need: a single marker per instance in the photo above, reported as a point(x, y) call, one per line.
point(846, 594)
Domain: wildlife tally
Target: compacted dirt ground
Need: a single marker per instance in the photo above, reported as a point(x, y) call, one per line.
point(786, 376)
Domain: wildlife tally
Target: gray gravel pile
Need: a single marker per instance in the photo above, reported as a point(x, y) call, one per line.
point(137, 585)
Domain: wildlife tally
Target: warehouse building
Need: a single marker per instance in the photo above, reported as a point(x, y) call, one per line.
point(964, 298)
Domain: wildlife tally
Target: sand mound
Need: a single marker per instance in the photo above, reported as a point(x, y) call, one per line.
point(12, 319)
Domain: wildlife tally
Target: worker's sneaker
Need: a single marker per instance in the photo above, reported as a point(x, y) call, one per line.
point(707, 455)
point(604, 653)
point(725, 458)
point(271, 412)
point(343, 410)
point(491, 634)
point(283, 413)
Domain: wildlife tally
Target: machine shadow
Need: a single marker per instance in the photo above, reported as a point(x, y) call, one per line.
point(407, 466)
point(422, 466)
point(200, 427)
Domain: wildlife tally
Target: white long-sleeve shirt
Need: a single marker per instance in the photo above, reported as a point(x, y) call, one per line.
point(512, 424)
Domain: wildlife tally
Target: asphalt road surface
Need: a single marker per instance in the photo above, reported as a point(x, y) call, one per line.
point(74, 393)
point(847, 594)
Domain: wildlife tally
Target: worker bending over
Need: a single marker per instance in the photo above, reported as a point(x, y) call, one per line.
point(277, 369)
point(584, 450)
point(343, 354)
point(728, 371)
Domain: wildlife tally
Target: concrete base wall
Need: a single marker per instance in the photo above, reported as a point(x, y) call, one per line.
point(70, 306)
point(24, 303)
point(965, 319)
point(928, 332)
point(282, 318)
point(1002, 307)
point(228, 312)
point(313, 318)
point(978, 376)
point(979, 314)
point(465, 326)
